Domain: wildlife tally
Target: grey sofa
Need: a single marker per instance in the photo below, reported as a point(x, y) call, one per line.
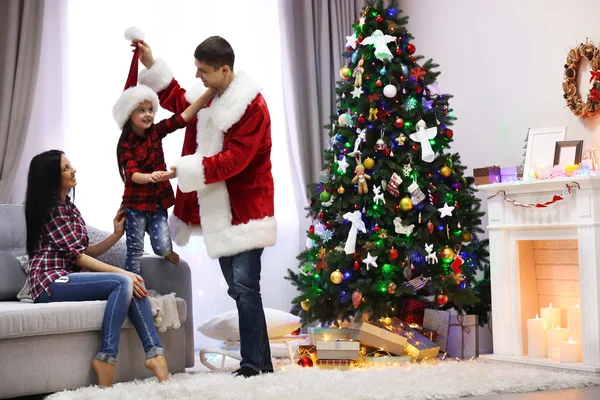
point(49, 347)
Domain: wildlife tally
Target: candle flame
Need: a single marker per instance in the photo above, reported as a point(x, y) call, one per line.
point(550, 305)
point(557, 327)
point(576, 305)
point(570, 340)
point(536, 316)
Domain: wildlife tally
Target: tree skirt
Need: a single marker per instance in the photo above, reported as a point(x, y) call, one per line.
point(443, 380)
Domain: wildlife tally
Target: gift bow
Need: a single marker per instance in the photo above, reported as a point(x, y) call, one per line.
point(373, 114)
point(357, 224)
point(595, 75)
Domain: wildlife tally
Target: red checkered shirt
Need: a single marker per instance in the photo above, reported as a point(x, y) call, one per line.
point(144, 154)
point(59, 243)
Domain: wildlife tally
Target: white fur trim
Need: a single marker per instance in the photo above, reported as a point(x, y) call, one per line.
point(235, 239)
point(194, 92)
point(157, 77)
point(134, 33)
point(190, 173)
point(130, 99)
point(181, 232)
point(228, 108)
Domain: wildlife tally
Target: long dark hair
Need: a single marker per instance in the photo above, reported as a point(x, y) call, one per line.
point(126, 130)
point(43, 192)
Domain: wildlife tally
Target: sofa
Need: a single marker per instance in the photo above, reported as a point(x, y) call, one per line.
point(47, 348)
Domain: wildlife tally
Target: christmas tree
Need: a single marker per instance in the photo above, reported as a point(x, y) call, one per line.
point(394, 217)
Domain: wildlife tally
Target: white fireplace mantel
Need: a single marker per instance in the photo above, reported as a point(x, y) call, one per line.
point(577, 216)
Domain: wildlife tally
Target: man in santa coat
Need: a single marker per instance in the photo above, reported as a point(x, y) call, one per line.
point(225, 181)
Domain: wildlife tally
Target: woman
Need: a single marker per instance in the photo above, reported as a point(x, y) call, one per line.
point(59, 253)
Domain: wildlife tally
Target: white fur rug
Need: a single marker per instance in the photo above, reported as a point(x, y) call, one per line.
point(445, 380)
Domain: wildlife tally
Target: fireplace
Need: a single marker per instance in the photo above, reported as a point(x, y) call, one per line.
point(540, 256)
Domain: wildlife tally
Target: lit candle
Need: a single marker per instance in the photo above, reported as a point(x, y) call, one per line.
point(574, 322)
point(556, 354)
point(552, 315)
point(537, 342)
point(556, 337)
point(570, 352)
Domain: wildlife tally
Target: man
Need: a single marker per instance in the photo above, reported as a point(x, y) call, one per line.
point(227, 160)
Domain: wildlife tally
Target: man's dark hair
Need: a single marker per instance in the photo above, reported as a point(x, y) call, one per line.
point(216, 52)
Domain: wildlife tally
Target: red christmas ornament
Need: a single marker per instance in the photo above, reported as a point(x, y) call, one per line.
point(448, 133)
point(399, 122)
point(360, 38)
point(387, 151)
point(376, 228)
point(441, 299)
point(419, 89)
point(361, 119)
point(296, 332)
point(311, 229)
point(321, 215)
point(393, 254)
point(430, 227)
point(379, 19)
point(329, 224)
point(399, 51)
point(305, 362)
point(356, 206)
point(356, 266)
point(415, 147)
point(378, 83)
point(410, 48)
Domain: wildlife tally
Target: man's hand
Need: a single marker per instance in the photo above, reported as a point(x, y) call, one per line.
point(119, 222)
point(146, 57)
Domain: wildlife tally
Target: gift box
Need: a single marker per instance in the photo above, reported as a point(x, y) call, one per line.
point(439, 322)
point(463, 337)
point(382, 361)
point(417, 346)
point(511, 174)
point(431, 335)
point(413, 311)
point(335, 364)
point(486, 175)
point(375, 336)
point(338, 350)
point(326, 334)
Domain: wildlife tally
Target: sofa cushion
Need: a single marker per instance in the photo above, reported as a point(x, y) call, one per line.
point(18, 319)
point(13, 231)
point(13, 277)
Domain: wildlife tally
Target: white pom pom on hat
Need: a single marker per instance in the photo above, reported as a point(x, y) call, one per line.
point(133, 93)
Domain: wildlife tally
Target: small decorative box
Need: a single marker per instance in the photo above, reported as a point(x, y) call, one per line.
point(413, 311)
point(511, 174)
point(417, 346)
point(438, 321)
point(375, 336)
point(338, 350)
point(326, 334)
point(335, 364)
point(383, 361)
point(486, 175)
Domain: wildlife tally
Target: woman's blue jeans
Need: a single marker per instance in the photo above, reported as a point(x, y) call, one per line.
point(117, 289)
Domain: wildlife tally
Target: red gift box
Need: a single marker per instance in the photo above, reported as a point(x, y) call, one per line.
point(413, 311)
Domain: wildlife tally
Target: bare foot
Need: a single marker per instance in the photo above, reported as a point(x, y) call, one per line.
point(104, 371)
point(158, 365)
point(172, 257)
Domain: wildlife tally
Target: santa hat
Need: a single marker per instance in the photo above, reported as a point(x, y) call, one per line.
point(133, 93)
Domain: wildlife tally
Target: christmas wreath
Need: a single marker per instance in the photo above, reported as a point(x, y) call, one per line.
point(574, 100)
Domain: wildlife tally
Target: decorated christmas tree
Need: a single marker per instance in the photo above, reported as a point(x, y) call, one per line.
point(394, 217)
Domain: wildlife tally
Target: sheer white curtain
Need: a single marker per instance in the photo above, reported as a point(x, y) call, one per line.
point(98, 63)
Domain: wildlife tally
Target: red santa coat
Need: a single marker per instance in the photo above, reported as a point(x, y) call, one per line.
point(225, 180)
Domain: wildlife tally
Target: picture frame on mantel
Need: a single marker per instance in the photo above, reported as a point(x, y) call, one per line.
point(541, 143)
point(568, 152)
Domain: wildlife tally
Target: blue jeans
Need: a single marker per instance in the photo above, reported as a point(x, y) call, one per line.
point(136, 225)
point(118, 290)
point(242, 274)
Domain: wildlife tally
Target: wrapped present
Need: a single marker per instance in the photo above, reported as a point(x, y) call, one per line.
point(438, 321)
point(485, 175)
point(511, 174)
point(338, 350)
point(431, 335)
point(335, 364)
point(417, 346)
point(382, 361)
point(463, 337)
point(413, 311)
point(326, 334)
point(375, 336)
point(308, 351)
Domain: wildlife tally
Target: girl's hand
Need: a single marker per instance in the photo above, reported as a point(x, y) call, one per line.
point(119, 222)
point(139, 290)
point(157, 176)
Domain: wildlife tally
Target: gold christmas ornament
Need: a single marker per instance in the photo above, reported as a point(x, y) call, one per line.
point(336, 277)
point(341, 190)
point(406, 204)
point(304, 304)
point(447, 253)
point(445, 171)
point(369, 163)
point(391, 288)
point(345, 73)
point(467, 236)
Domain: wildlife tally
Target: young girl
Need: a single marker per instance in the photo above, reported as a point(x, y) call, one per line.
point(148, 193)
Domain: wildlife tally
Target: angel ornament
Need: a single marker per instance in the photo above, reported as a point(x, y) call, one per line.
point(402, 229)
point(380, 41)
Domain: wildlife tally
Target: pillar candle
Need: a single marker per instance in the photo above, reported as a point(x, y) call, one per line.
point(555, 337)
point(556, 354)
point(574, 323)
point(552, 315)
point(570, 352)
point(537, 342)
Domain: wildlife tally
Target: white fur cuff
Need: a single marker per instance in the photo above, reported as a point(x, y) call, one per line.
point(157, 77)
point(181, 232)
point(190, 173)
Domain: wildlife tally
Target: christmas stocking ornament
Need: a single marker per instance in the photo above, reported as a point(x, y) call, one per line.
point(416, 194)
point(393, 185)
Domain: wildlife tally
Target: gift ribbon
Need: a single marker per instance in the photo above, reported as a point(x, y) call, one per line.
point(465, 329)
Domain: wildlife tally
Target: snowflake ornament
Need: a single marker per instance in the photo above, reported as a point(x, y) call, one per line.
point(326, 235)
